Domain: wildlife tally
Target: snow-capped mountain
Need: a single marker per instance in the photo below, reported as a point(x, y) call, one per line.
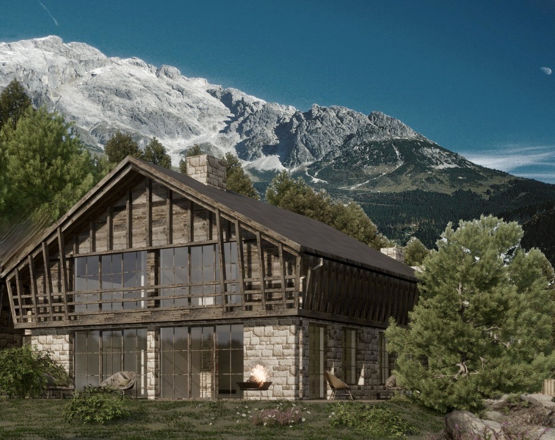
point(103, 95)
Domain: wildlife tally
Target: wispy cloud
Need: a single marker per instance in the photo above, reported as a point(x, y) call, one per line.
point(51, 16)
point(512, 157)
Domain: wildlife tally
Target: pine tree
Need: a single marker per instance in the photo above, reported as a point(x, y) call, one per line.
point(237, 179)
point(157, 154)
point(483, 323)
point(121, 145)
point(14, 101)
point(297, 196)
point(415, 252)
point(45, 166)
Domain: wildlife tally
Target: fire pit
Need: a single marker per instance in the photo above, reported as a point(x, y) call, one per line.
point(253, 385)
point(257, 381)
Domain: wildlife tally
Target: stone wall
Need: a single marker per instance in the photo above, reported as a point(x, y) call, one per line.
point(274, 344)
point(58, 342)
point(152, 364)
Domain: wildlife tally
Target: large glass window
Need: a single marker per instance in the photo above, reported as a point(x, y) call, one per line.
point(86, 279)
point(99, 354)
point(383, 356)
point(204, 271)
point(109, 273)
point(316, 361)
point(229, 360)
point(174, 363)
point(174, 269)
point(197, 361)
point(349, 355)
point(231, 272)
point(194, 274)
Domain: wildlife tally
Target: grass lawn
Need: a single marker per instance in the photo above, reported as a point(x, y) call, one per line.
point(233, 420)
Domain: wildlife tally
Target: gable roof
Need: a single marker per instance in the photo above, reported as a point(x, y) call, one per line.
point(309, 235)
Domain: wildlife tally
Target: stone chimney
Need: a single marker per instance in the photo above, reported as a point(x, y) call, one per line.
point(208, 170)
point(394, 252)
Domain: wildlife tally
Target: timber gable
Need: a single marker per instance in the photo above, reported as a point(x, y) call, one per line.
point(142, 211)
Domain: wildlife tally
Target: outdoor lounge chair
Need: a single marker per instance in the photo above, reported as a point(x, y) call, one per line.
point(336, 385)
point(122, 380)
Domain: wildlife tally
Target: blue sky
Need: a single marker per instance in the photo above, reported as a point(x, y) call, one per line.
point(466, 74)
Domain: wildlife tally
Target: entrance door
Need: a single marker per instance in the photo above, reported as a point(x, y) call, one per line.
point(316, 361)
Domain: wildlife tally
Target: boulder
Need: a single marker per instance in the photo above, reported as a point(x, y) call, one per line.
point(466, 423)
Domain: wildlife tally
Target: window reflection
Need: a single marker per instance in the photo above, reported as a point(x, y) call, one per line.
point(99, 354)
point(187, 368)
point(125, 270)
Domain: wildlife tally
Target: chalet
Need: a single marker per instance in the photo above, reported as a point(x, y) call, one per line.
point(190, 286)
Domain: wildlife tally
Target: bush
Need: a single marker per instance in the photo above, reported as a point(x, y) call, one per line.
point(26, 371)
point(376, 421)
point(97, 405)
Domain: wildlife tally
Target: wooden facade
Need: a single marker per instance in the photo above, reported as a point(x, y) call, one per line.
point(148, 246)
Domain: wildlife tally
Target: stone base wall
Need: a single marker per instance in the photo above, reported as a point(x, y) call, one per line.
point(58, 342)
point(273, 343)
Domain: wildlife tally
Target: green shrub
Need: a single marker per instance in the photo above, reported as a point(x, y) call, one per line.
point(97, 405)
point(376, 421)
point(25, 372)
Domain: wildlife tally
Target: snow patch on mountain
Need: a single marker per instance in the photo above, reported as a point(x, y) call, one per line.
point(102, 95)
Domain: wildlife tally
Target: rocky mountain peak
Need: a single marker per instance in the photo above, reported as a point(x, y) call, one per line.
point(103, 94)
point(392, 127)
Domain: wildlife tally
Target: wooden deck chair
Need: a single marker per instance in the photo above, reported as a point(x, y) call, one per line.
point(336, 385)
point(122, 380)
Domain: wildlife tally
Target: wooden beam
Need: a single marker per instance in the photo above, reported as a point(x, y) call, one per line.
point(33, 285)
point(10, 297)
point(282, 273)
point(63, 269)
point(19, 289)
point(92, 236)
point(261, 269)
point(221, 256)
point(240, 261)
point(191, 220)
point(148, 212)
point(169, 217)
point(47, 277)
point(298, 266)
point(2, 292)
point(129, 211)
point(110, 225)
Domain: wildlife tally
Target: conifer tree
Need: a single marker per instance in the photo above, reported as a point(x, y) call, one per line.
point(415, 252)
point(45, 166)
point(121, 145)
point(157, 154)
point(14, 101)
point(237, 179)
point(483, 323)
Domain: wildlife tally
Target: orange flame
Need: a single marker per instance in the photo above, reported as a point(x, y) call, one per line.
point(259, 374)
